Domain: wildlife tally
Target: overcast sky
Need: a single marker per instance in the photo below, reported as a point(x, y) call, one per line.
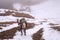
point(8, 4)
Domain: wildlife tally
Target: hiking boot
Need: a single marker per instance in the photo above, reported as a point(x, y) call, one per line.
point(21, 34)
point(25, 34)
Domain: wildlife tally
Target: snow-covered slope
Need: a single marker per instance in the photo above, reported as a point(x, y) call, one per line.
point(49, 10)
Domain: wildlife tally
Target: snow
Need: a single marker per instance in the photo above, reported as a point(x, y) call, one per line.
point(29, 33)
point(2, 11)
point(50, 34)
point(7, 18)
point(9, 27)
point(49, 10)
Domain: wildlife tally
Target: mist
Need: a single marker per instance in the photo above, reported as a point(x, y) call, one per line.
point(8, 4)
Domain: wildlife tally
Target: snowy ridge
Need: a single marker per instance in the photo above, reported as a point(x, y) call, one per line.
point(46, 10)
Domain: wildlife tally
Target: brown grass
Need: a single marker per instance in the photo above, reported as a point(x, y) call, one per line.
point(11, 22)
point(7, 13)
point(17, 14)
point(38, 35)
point(23, 15)
point(30, 25)
point(10, 33)
point(56, 28)
point(53, 24)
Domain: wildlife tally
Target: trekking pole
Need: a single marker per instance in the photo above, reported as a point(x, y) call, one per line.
point(17, 20)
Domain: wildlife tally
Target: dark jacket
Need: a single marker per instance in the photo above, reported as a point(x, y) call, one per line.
point(21, 23)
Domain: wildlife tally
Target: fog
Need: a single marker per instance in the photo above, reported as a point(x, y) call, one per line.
point(8, 4)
